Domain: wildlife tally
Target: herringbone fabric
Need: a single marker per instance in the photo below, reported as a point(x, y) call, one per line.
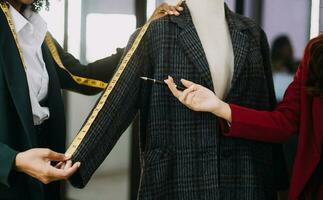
point(183, 155)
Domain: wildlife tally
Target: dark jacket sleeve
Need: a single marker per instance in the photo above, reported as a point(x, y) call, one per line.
point(101, 70)
point(117, 113)
point(7, 160)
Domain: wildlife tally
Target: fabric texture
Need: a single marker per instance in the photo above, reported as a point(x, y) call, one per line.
point(183, 155)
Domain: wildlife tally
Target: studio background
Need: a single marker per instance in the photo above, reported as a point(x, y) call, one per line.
point(93, 29)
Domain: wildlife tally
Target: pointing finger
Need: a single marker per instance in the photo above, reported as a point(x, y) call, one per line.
point(172, 87)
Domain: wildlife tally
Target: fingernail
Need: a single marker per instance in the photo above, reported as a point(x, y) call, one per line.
point(67, 157)
point(171, 12)
point(78, 164)
point(180, 8)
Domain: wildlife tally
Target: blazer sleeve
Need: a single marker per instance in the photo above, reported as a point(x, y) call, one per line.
point(7, 162)
point(275, 126)
point(100, 70)
point(113, 119)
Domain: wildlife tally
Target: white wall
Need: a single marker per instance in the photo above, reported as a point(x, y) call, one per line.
point(321, 17)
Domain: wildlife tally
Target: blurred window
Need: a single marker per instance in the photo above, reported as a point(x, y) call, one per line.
point(55, 24)
point(101, 40)
point(288, 17)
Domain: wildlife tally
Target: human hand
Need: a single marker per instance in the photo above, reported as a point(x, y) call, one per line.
point(199, 98)
point(37, 163)
point(195, 97)
point(165, 9)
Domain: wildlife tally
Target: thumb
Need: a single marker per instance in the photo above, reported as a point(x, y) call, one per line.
point(187, 83)
point(54, 156)
point(180, 3)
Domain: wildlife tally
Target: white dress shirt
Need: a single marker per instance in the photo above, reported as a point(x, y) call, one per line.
point(31, 31)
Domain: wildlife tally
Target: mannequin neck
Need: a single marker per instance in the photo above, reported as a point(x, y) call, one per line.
point(206, 9)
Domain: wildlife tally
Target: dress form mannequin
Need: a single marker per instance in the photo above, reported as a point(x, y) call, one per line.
point(211, 25)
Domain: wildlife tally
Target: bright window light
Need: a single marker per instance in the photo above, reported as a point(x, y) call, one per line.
point(315, 18)
point(74, 27)
point(151, 4)
point(55, 19)
point(106, 32)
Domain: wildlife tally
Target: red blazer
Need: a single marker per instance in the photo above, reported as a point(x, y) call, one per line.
point(299, 114)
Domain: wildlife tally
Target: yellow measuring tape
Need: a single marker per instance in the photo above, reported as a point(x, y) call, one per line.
point(79, 80)
point(80, 136)
point(5, 9)
point(53, 50)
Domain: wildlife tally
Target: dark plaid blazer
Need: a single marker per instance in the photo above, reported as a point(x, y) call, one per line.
point(183, 155)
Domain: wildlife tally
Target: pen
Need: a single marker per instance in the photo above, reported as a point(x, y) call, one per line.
point(161, 82)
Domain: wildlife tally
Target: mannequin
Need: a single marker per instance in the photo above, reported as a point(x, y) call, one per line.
point(182, 152)
point(211, 25)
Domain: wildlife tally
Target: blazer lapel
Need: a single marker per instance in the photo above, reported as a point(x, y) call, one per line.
point(240, 45)
point(192, 46)
point(16, 79)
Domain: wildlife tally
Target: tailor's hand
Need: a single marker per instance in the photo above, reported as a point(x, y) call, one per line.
point(165, 9)
point(200, 99)
point(37, 163)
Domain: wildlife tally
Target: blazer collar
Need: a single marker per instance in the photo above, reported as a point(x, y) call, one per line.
point(193, 48)
point(240, 43)
point(185, 18)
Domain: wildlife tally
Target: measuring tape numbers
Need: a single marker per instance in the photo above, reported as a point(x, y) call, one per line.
point(79, 80)
point(53, 50)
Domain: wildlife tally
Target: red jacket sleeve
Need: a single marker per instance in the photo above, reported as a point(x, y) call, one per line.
point(275, 126)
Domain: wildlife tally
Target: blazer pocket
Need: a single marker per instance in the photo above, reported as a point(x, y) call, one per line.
point(155, 157)
point(158, 171)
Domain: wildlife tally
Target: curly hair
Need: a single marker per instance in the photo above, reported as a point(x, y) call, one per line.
point(37, 5)
point(315, 79)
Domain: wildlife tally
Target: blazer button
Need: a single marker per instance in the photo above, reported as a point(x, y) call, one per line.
point(164, 155)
